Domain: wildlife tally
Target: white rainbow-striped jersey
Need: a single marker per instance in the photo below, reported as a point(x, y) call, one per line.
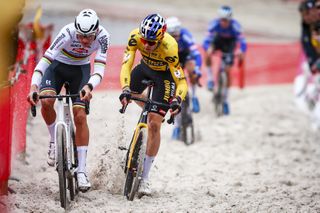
point(66, 48)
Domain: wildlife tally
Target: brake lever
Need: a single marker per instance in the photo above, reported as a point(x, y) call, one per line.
point(33, 107)
point(171, 120)
point(123, 109)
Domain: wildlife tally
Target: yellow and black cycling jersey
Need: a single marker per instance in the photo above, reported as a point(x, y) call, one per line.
point(163, 58)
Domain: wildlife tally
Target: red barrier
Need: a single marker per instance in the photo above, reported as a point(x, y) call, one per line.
point(265, 64)
point(21, 107)
point(5, 138)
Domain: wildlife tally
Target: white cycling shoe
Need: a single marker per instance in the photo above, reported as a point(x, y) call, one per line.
point(51, 154)
point(83, 182)
point(144, 188)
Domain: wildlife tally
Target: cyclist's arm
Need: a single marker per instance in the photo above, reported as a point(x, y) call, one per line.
point(240, 38)
point(51, 53)
point(177, 72)
point(128, 60)
point(210, 34)
point(187, 37)
point(100, 59)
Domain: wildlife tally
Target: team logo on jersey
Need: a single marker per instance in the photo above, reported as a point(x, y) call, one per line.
point(170, 59)
point(126, 58)
point(103, 43)
point(132, 42)
point(177, 73)
point(80, 50)
point(167, 89)
point(57, 41)
point(69, 32)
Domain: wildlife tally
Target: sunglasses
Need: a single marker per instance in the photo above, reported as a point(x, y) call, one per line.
point(150, 43)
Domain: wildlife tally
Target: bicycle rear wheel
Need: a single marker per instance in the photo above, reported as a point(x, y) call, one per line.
point(134, 173)
point(61, 166)
point(187, 134)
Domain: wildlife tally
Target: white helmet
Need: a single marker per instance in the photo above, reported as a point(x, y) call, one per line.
point(173, 25)
point(225, 12)
point(87, 22)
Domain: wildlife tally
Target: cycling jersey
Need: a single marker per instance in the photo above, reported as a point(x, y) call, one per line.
point(163, 59)
point(66, 48)
point(188, 49)
point(232, 33)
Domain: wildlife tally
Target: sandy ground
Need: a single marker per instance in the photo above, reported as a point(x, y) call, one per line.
point(262, 158)
point(262, 21)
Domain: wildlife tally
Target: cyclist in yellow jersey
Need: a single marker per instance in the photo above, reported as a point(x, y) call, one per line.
point(160, 63)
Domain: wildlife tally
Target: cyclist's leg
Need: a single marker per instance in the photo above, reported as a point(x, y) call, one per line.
point(228, 61)
point(136, 87)
point(78, 77)
point(228, 58)
point(50, 85)
point(190, 67)
point(163, 92)
point(153, 142)
point(208, 61)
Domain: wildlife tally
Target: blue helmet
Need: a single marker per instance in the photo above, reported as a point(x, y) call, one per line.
point(153, 27)
point(225, 12)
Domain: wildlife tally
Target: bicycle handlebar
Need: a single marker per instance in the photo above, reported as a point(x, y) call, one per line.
point(35, 96)
point(169, 121)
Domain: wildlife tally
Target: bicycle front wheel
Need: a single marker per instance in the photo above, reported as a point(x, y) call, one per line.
point(61, 166)
point(218, 95)
point(187, 134)
point(134, 173)
point(187, 131)
point(72, 177)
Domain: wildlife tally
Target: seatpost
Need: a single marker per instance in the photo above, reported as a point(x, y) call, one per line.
point(67, 87)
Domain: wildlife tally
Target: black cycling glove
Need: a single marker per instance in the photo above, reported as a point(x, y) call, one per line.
point(126, 93)
point(176, 104)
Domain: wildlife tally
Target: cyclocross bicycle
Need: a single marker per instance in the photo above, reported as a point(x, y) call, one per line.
point(220, 92)
point(65, 147)
point(186, 119)
point(137, 149)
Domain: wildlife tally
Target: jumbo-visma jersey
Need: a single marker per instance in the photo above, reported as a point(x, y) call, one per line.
point(163, 58)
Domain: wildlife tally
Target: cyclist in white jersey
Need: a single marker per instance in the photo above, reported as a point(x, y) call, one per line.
point(68, 60)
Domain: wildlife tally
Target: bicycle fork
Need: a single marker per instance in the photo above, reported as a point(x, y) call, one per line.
point(133, 144)
point(64, 120)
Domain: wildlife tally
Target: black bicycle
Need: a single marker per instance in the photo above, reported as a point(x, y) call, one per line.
point(220, 92)
point(186, 119)
point(65, 147)
point(137, 149)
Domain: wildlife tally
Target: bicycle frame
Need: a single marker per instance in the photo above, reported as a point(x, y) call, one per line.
point(142, 123)
point(64, 118)
point(137, 149)
point(220, 93)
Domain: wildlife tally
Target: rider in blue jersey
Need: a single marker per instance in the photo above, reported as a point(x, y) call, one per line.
point(223, 34)
point(190, 60)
